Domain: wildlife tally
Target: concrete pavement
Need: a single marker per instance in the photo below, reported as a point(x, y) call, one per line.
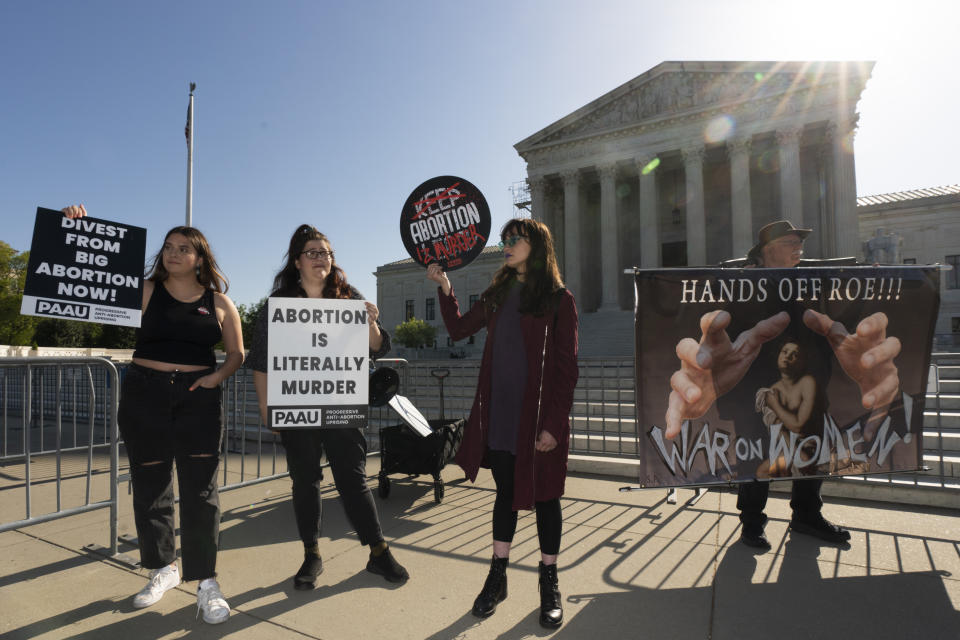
point(632, 566)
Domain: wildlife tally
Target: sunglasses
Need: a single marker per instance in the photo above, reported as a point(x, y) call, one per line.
point(511, 241)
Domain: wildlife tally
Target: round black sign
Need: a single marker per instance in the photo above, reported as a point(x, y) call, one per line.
point(446, 219)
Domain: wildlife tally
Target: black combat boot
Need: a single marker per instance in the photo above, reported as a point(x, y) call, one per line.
point(494, 589)
point(551, 611)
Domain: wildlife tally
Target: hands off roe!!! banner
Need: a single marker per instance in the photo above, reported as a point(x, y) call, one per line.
point(317, 363)
point(781, 373)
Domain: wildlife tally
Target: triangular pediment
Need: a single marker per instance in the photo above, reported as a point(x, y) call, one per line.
point(677, 89)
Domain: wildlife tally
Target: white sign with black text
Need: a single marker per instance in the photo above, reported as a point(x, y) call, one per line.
point(317, 363)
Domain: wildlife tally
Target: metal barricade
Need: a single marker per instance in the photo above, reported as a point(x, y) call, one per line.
point(247, 442)
point(56, 412)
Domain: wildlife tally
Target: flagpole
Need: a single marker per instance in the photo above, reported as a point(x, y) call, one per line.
point(189, 132)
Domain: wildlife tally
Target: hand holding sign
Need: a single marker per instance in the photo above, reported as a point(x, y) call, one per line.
point(435, 273)
point(74, 211)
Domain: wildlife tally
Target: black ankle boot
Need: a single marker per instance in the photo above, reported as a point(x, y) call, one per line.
point(494, 589)
point(551, 611)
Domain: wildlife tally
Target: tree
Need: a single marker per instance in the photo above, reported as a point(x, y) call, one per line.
point(115, 336)
point(15, 329)
point(248, 319)
point(53, 332)
point(415, 333)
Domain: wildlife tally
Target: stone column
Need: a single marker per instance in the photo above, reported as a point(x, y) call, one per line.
point(846, 226)
point(649, 220)
point(696, 217)
point(791, 206)
point(826, 245)
point(571, 225)
point(609, 255)
point(742, 223)
point(538, 208)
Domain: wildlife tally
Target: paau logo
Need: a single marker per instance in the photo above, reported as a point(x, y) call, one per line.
point(71, 310)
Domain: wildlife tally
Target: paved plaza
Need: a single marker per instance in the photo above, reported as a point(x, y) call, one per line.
point(632, 566)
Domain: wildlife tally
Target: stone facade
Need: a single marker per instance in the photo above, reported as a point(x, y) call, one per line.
point(921, 227)
point(682, 164)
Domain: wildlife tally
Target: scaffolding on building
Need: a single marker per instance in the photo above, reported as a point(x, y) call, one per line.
point(521, 199)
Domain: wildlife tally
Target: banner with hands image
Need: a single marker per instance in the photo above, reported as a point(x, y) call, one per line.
point(86, 269)
point(317, 363)
point(781, 373)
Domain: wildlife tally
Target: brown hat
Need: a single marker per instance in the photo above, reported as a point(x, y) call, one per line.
point(771, 232)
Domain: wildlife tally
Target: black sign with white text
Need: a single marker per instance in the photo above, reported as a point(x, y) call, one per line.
point(85, 269)
point(446, 219)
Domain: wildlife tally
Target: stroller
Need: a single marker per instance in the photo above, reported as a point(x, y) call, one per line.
point(416, 449)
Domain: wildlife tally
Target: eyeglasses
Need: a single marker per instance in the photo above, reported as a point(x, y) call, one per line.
point(511, 241)
point(182, 250)
point(315, 254)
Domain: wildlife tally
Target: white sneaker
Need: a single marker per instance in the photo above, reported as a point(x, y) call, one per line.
point(211, 602)
point(161, 581)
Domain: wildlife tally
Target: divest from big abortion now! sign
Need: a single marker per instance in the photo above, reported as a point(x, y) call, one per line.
point(317, 363)
point(85, 269)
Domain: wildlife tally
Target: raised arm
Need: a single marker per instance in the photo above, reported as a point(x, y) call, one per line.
point(459, 326)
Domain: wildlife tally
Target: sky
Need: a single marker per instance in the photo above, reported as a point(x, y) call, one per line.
point(331, 113)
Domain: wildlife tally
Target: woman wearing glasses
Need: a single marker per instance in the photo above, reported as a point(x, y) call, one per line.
point(170, 412)
point(311, 272)
point(518, 426)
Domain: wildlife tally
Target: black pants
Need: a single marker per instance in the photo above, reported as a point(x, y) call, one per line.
point(347, 453)
point(805, 501)
point(549, 516)
point(162, 422)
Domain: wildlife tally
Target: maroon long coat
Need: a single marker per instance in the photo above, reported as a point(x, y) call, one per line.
point(551, 348)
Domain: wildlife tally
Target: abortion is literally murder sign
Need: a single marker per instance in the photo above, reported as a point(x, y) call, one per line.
point(317, 363)
point(85, 269)
point(790, 405)
point(446, 220)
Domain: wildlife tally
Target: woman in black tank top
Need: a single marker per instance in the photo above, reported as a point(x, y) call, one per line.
point(169, 413)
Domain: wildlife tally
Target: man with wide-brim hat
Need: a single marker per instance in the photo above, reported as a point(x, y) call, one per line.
point(782, 238)
point(780, 246)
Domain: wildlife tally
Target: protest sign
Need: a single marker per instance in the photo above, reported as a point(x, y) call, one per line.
point(793, 407)
point(317, 363)
point(85, 269)
point(446, 219)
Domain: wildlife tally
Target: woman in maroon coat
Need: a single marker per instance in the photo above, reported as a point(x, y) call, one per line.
point(519, 426)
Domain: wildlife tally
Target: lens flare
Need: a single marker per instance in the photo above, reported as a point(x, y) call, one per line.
point(846, 143)
point(719, 129)
point(650, 166)
point(758, 76)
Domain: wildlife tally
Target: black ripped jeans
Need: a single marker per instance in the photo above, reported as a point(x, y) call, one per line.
point(162, 422)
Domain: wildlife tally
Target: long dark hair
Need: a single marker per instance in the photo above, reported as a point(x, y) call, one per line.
point(208, 271)
point(542, 279)
point(286, 284)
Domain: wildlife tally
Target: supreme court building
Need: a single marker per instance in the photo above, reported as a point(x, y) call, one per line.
point(682, 165)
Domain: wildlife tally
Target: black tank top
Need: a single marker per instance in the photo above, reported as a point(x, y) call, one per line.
point(178, 332)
